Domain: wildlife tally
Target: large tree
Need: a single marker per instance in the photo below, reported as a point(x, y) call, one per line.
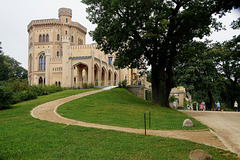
point(10, 68)
point(154, 31)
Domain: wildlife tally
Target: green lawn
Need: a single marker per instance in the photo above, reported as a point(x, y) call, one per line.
point(24, 137)
point(118, 107)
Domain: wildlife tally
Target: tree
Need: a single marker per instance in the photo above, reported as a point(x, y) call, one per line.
point(229, 67)
point(10, 68)
point(197, 71)
point(154, 31)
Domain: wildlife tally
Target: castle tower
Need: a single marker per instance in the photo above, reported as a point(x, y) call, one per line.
point(65, 15)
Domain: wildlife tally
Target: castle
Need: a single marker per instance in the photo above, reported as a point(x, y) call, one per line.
point(58, 54)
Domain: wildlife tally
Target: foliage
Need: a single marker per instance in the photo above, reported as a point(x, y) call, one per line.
point(5, 95)
point(154, 32)
point(148, 95)
point(96, 82)
point(194, 103)
point(172, 98)
point(122, 84)
point(185, 103)
point(10, 68)
point(181, 108)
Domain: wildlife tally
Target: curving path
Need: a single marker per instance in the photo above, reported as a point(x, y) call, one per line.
point(47, 112)
point(225, 125)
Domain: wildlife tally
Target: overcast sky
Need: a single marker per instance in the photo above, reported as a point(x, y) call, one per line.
point(15, 15)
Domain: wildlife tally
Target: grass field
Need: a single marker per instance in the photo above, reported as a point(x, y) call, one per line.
point(118, 107)
point(24, 137)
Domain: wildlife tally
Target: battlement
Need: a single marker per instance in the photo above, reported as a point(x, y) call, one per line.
point(65, 12)
point(55, 22)
point(86, 46)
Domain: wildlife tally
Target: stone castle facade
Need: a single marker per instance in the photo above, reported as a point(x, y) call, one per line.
point(58, 54)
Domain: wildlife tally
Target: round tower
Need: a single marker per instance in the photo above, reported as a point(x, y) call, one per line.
point(65, 15)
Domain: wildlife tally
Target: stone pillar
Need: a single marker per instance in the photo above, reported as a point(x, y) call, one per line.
point(91, 68)
point(70, 74)
point(65, 49)
point(47, 69)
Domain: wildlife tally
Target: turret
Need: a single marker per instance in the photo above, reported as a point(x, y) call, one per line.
point(65, 15)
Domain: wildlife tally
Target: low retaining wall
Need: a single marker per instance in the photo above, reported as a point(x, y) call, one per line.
point(138, 91)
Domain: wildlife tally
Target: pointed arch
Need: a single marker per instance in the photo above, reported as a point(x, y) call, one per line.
point(40, 38)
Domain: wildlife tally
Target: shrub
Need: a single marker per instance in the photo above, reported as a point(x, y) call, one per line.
point(148, 95)
point(194, 103)
point(119, 84)
point(180, 108)
point(172, 98)
point(91, 85)
point(85, 86)
point(124, 83)
point(5, 95)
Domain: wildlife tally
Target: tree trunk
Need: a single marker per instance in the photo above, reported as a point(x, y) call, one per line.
point(160, 86)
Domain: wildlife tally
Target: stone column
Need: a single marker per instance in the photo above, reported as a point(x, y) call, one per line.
point(65, 47)
point(47, 69)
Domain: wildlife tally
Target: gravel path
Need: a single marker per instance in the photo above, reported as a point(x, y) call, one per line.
point(225, 124)
point(47, 112)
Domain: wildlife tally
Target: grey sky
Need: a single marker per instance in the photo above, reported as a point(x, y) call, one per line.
point(17, 14)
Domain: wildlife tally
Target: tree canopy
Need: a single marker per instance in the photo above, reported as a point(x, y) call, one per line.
point(153, 31)
point(10, 68)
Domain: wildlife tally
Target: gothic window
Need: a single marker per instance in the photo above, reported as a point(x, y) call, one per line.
point(44, 38)
point(59, 83)
point(47, 38)
point(58, 37)
point(57, 54)
point(66, 20)
point(65, 32)
point(40, 38)
point(41, 62)
point(72, 39)
point(40, 81)
point(110, 60)
point(56, 83)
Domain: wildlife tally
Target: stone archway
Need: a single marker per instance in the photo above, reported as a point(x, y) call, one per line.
point(103, 79)
point(110, 80)
point(115, 79)
point(96, 75)
point(82, 74)
point(40, 80)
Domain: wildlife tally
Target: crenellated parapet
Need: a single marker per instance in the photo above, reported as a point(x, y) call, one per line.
point(86, 46)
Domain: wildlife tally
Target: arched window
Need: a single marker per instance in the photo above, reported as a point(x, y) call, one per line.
point(58, 37)
point(47, 38)
point(41, 62)
point(59, 83)
point(65, 32)
point(57, 54)
point(44, 38)
point(80, 42)
point(40, 38)
point(72, 39)
point(66, 20)
point(40, 81)
point(56, 83)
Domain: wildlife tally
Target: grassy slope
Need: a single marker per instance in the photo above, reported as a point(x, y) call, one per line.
point(24, 137)
point(118, 107)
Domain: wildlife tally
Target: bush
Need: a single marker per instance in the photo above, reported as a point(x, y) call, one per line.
point(180, 108)
point(5, 95)
point(124, 83)
point(148, 95)
point(119, 84)
point(24, 96)
point(85, 86)
point(172, 98)
point(91, 85)
point(194, 103)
